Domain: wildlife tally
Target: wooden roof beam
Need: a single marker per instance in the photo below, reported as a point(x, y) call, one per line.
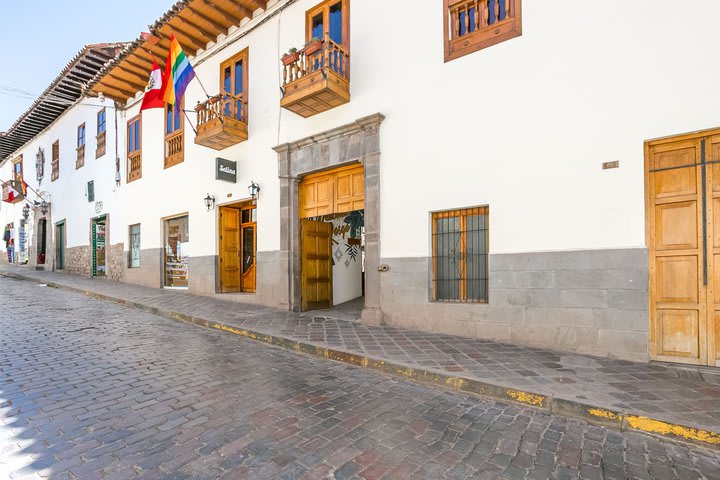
point(132, 83)
point(130, 69)
point(256, 4)
point(205, 35)
point(139, 62)
point(183, 37)
point(234, 19)
point(210, 21)
point(113, 94)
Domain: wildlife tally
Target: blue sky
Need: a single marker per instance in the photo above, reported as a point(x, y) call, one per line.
point(39, 37)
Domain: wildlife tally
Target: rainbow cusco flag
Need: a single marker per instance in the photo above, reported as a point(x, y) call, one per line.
point(181, 73)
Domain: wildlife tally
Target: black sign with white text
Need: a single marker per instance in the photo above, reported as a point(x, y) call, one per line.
point(225, 170)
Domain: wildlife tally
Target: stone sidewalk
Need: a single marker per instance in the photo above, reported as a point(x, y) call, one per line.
point(679, 402)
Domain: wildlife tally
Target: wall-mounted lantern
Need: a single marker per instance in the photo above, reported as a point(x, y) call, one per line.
point(254, 190)
point(44, 207)
point(209, 202)
point(26, 211)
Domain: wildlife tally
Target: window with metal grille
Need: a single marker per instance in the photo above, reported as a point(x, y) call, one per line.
point(91, 191)
point(134, 241)
point(471, 25)
point(460, 255)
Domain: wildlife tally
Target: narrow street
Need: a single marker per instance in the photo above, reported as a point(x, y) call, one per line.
point(90, 389)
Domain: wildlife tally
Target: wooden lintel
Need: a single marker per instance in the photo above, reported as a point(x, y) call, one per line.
point(210, 21)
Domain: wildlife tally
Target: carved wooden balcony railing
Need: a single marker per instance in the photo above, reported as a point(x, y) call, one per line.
point(134, 165)
point(317, 81)
point(476, 24)
point(174, 149)
point(222, 121)
point(100, 150)
point(80, 161)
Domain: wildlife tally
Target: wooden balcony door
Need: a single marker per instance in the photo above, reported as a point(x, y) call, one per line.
point(683, 219)
point(315, 265)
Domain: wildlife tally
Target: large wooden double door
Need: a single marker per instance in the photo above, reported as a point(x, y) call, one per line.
point(238, 246)
point(683, 229)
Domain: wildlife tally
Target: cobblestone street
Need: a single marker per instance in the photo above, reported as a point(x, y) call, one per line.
point(91, 389)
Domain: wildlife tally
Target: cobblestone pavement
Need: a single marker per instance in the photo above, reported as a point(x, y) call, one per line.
point(687, 396)
point(92, 389)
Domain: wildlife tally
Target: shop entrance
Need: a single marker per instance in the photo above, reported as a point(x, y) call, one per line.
point(237, 247)
point(683, 236)
point(176, 252)
point(60, 246)
point(42, 241)
point(331, 238)
point(99, 266)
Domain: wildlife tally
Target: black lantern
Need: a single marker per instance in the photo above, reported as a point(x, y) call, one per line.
point(209, 202)
point(254, 189)
point(44, 207)
point(26, 211)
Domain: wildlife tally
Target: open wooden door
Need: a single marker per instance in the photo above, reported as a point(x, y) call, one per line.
point(315, 265)
point(683, 185)
point(249, 247)
point(713, 158)
point(229, 249)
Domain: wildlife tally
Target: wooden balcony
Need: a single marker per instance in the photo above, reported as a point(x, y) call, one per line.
point(135, 165)
point(316, 79)
point(174, 152)
point(222, 121)
point(17, 187)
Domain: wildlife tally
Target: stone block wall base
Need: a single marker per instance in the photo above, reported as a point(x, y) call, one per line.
point(372, 316)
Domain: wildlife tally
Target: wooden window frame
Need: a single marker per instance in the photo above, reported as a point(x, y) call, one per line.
point(324, 8)
point(462, 213)
point(55, 161)
point(80, 149)
point(18, 161)
point(167, 136)
point(101, 137)
point(502, 30)
point(134, 175)
point(245, 56)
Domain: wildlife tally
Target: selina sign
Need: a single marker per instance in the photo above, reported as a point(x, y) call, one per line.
point(225, 170)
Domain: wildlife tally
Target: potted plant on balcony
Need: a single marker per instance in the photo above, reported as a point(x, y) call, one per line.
point(291, 56)
point(313, 46)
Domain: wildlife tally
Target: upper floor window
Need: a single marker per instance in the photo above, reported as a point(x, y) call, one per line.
point(330, 17)
point(460, 255)
point(234, 83)
point(134, 155)
point(55, 163)
point(471, 25)
point(101, 127)
point(173, 134)
point(80, 161)
point(17, 166)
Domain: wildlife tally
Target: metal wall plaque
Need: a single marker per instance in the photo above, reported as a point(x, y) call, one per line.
point(225, 170)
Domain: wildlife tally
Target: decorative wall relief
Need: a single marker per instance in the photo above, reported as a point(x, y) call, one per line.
point(40, 165)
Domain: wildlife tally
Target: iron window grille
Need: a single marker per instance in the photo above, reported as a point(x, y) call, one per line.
point(460, 255)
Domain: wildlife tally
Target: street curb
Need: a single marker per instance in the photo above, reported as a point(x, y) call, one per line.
point(623, 421)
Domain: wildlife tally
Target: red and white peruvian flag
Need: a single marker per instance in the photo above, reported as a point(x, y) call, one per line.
point(153, 97)
point(11, 193)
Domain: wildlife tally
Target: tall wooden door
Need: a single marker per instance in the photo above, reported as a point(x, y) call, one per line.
point(248, 235)
point(229, 250)
point(315, 265)
point(683, 187)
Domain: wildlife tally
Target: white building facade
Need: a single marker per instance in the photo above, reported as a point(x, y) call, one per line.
point(486, 171)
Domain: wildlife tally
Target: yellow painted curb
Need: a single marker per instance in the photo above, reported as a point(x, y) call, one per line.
point(645, 424)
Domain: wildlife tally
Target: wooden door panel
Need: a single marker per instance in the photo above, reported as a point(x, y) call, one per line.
point(339, 191)
point(677, 298)
point(677, 226)
point(678, 333)
point(315, 264)
point(229, 249)
point(677, 279)
point(713, 215)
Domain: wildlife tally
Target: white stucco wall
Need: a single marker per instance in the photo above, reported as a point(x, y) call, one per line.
point(67, 194)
